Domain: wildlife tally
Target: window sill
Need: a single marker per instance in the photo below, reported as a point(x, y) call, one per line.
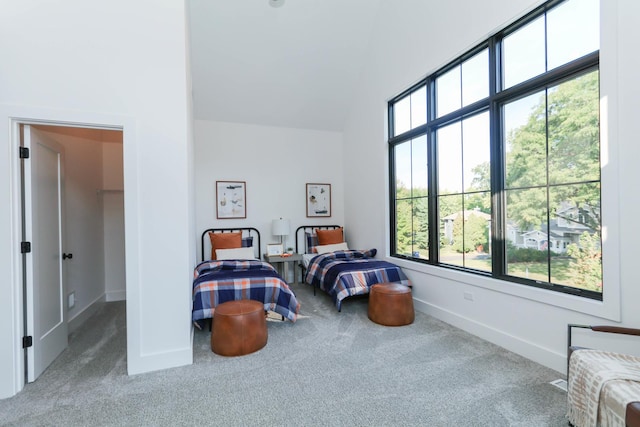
point(608, 308)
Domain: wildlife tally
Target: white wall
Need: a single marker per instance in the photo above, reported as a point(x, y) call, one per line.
point(114, 246)
point(113, 213)
point(124, 65)
point(276, 163)
point(112, 169)
point(412, 39)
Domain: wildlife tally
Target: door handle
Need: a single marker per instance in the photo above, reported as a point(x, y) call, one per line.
point(67, 256)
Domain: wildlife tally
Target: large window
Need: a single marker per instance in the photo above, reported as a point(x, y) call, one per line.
point(495, 158)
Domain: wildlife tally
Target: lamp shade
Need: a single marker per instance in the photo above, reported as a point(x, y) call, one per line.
point(280, 227)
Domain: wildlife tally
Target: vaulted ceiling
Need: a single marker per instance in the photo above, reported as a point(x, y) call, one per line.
point(293, 66)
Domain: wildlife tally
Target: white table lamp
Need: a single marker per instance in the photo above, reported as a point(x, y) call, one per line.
point(280, 227)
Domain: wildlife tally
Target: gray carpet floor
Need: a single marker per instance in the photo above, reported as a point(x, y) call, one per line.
point(327, 369)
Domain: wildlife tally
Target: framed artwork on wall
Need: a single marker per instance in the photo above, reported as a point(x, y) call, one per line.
point(318, 200)
point(231, 199)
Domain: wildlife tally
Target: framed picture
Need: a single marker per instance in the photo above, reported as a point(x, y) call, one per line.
point(274, 249)
point(231, 199)
point(318, 200)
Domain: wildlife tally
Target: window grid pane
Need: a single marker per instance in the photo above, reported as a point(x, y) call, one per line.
point(411, 205)
point(403, 170)
point(419, 107)
point(404, 227)
point(475, 78)
point(449, 139)
point(573, 30)
point(419, 167)
point(524, 53)
point(525, 145)
point(448, 96)
point(402, 116)
point(574, 137)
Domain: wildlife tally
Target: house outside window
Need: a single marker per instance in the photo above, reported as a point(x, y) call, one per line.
point(495, 158)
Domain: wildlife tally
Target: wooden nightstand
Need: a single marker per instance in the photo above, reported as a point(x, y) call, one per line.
point(282, 261)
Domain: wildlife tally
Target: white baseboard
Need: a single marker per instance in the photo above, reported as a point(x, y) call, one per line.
point(543, 356)
point(560, 383)
point(159, 361)
point(81, 317)
point(116, 295)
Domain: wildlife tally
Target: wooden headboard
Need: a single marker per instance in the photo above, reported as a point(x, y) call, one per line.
point(246, 232)
point(301, 242)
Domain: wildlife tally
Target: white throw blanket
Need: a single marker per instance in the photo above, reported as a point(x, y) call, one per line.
point(589, 371)
point(614, 398)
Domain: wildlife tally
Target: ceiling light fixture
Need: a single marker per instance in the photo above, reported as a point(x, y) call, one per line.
point(276, 3)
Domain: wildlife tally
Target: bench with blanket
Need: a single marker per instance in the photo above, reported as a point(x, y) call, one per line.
point(603, 386)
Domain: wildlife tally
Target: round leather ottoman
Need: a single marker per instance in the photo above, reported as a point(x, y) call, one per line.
point(239, 328)
point(391, 304)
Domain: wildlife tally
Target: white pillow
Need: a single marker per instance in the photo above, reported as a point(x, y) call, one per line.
point(236, 253)
point(322, 249)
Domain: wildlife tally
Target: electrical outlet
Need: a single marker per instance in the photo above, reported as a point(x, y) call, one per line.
point(468, 296)
point(71, 300)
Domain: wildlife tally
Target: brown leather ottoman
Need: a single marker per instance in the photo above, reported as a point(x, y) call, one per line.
point(239, 328)
point(391, 304)
point(633, 414)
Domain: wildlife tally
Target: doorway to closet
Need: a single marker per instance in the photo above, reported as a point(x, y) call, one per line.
point(76, 177)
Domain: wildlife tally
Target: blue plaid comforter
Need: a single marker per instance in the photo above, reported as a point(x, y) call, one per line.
point(347, 273)
point(215, 282)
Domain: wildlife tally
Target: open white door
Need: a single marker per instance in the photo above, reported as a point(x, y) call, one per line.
point(43, 216)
